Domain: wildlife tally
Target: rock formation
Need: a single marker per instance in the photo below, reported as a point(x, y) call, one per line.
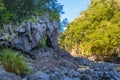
point(27, 35)
point(46, 65)
point(50, 63)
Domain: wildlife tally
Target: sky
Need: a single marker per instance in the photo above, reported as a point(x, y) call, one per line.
point(72, 8)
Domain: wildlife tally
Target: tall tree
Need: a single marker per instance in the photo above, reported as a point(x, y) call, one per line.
point(1, 5)
point(17, 10)
point(96, 31)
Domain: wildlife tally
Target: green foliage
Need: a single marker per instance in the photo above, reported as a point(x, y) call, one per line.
point(18, 10)
point(96, 31)
point(50, 6)
point(42, 42)
point(1, 5)
point(13, 62)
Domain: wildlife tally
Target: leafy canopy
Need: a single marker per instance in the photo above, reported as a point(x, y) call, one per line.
point(17, 10)
point(96, 31)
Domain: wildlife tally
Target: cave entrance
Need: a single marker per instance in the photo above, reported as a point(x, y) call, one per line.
point(45, 42)
point(49, 42)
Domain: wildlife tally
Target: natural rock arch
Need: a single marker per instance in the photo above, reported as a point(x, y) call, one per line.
point(27, 36)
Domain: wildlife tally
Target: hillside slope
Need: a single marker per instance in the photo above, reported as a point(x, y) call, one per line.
point(96, 32)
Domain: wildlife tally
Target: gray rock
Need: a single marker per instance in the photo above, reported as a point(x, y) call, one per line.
point(42, 53)
point(97, 68)
point(66, 78)
point(100, 73)
point(90, 71)
point(107, 75)
point(25, 78)
point(20, 29)
point(2, 70)
point(9, 76)
point(115, 75)
point(74, 73)
point(86, 77)
point(76, 78)
point(39, 76)
point(53, 77)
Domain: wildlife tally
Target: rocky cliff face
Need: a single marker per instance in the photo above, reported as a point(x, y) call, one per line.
point(27, 36)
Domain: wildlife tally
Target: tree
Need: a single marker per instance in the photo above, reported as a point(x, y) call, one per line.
point(18, 10)
point(63, 24)
point(96, 31)
point(1, 5)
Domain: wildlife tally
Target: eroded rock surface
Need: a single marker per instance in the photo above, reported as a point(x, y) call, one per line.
point(60, 65)
point(8, 76)
point(27, 36)
point(49, 64)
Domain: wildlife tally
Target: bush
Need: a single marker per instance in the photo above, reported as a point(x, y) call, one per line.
point(13, 62)
point(17, 10)
point(96, 32)
point(42, 42)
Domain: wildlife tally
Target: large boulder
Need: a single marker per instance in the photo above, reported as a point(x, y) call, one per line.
point(8, 76)
point(27, 35)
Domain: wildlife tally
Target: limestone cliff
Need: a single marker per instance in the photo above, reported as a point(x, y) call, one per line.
point(27, 35)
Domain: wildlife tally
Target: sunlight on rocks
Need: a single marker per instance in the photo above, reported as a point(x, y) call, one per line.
point(83, 68)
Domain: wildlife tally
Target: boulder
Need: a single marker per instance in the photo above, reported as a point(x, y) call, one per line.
point(39, 76)
point(9, 76)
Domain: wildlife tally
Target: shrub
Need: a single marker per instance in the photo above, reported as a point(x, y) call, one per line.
point(13, 62)
point(42, 42)
point(17, 10)
point(96, 32)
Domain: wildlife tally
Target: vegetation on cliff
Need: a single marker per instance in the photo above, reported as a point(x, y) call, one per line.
point(96, 31)
point(18, 10)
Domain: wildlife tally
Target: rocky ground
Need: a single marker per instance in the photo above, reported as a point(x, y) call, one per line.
point(48, 64)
